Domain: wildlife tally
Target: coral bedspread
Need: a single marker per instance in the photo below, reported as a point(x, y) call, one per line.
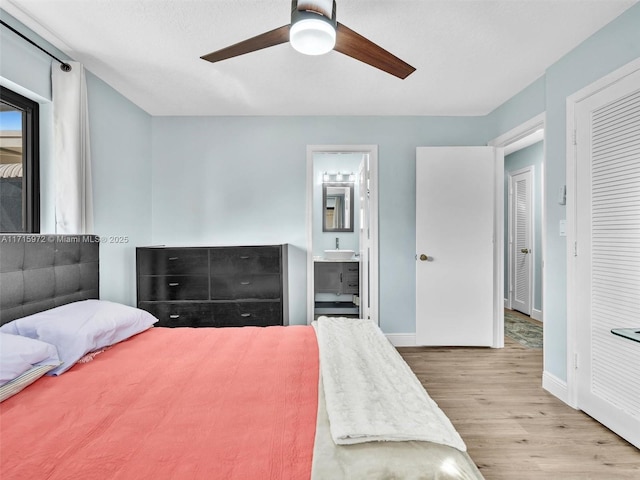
point(172, 403)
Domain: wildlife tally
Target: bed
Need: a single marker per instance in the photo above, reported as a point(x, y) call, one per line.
point(294, 402)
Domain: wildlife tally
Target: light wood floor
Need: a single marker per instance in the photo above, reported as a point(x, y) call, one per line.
point(515, 430)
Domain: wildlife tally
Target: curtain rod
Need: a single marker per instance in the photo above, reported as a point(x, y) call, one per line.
point(64, 66)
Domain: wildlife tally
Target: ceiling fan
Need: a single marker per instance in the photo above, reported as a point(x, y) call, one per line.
point(314, 30)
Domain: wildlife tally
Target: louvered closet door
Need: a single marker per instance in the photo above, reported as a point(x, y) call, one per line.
point(521, 255)
point(608, 255)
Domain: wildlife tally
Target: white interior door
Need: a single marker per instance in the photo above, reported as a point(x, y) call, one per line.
point(521, 240)
point(365, 235)
point(606, 255)
point(455, 194)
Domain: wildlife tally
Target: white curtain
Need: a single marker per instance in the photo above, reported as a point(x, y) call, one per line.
point(72, 157)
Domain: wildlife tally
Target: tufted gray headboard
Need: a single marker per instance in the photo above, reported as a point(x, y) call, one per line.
point(38, 272)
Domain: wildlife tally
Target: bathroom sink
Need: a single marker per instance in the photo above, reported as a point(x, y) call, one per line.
point(338, 254)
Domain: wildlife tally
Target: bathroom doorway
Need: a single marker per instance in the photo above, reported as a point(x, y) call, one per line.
point(342, 231)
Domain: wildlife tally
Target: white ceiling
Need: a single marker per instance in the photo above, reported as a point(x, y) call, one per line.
point(470, 55)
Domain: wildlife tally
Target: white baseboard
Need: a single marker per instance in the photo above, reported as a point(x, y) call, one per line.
point(402, 339)
point(555, 386)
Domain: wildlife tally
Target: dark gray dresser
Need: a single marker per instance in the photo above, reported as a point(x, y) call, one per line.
point(214, 286)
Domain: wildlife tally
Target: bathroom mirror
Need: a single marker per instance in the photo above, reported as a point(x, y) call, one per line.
point(337, 207)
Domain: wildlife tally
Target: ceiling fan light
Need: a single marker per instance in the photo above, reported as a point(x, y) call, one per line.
point(312, 36)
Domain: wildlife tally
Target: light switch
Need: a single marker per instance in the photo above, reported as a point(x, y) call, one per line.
point(563, 228)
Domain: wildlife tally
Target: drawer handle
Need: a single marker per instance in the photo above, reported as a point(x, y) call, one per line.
point(245, 283)
point(174, 316)
point(173, 258)
point(174, 284)
point(245, 315)
point(244, 257)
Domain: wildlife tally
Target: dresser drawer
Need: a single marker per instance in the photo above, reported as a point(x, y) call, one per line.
point(234, 287)
point(170, 314)
point(245, 314)
point(173, 287)
point(173, 261)
point(235, 260)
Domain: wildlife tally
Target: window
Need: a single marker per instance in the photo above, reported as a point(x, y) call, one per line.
point(19, 162)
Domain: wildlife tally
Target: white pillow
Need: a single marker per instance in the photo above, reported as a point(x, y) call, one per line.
point(20, 354)
point(81, 327)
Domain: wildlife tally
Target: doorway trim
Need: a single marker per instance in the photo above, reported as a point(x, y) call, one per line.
point(517, 134)
point(571, 393)
point(372, 150)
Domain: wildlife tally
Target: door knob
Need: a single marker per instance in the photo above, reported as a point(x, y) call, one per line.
point(424, 257)
point(524, 250)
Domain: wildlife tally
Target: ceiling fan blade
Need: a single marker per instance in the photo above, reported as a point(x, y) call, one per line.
point(264, 40)
point(356, 46)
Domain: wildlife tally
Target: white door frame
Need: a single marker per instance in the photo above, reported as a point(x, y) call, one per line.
point(572, 280)
point(511, 234)
point(372, 151)
point(509, 138)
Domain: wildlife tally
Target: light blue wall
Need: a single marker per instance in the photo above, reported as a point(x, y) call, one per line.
point(120, 136)
point(242, 180)
point(517, 110)
point(532, 155)
point(21, 64)
point(610, 48)
point(121, 162)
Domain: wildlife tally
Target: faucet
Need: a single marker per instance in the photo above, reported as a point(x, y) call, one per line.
point(337, 243)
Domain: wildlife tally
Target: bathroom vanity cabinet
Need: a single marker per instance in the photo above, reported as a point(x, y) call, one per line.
point(214, 286)
point(336, 287)
point(340, 278)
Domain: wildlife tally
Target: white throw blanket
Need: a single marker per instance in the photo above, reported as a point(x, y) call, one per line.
point(371, 393)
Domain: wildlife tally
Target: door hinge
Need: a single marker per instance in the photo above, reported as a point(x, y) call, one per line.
point(575, 249)
point(575, 137)
point(575, 361)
